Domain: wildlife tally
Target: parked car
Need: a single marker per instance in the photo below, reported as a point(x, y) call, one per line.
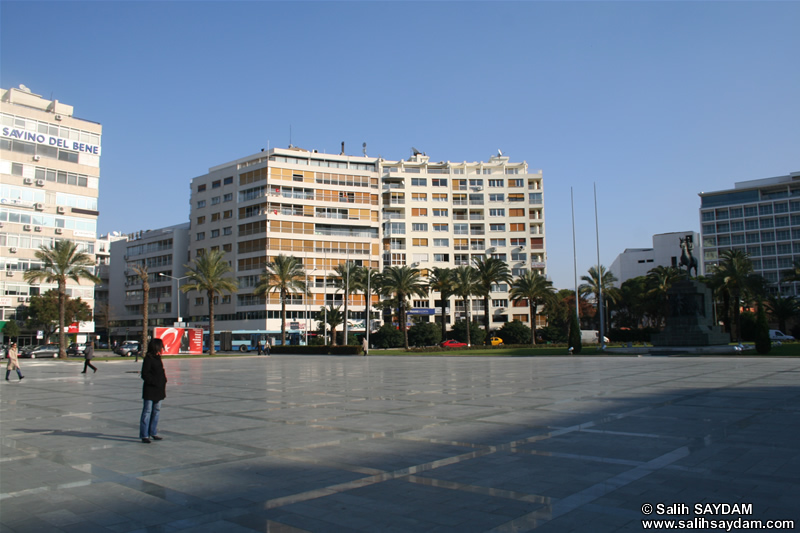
point(453, 344)
point(45, 350)
point(76, 348)
point(496, 341)
point(778, 335)
point(128, 348)
point(101, 345)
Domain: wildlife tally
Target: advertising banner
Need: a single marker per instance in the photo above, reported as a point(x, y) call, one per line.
point(180, 340)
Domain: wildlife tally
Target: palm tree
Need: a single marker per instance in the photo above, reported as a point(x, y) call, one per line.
point(593, 286)
point(346, 282)
point(535, 288)
point(60, 262)
point(781, 309)
point(335, 318)
point(735, 279)
point(793, 274)
point(209, 273)
point(659, 280)
point(465, 284)
point(491, 271)
point(284, 275)
point(402, 282)
point(141, 272)
point(441, 281)
point(366, 281)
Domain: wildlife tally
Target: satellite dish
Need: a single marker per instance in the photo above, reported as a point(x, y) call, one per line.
point(500, 152)
point(24, 88)
point(415, 151)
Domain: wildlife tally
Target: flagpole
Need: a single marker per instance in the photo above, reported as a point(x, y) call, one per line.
point(599, 275)
point(574, 257)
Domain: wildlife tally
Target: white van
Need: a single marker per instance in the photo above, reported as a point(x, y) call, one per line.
point(778, 335)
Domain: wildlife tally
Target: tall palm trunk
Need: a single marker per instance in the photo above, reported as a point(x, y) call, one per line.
point(145, 312)
point(62, 313)
point(533, 321)
point(466, 311)
point(283, 317)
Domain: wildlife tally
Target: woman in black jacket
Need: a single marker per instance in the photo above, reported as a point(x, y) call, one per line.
point(154, 390)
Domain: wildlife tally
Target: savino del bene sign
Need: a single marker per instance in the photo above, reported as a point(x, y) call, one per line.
point(50, 140)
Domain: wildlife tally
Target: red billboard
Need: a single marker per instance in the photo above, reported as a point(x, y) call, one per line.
point(180, 340)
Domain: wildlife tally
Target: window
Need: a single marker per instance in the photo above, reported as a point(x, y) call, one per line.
point(517, 227)
point(199, 301)
point(440, 227)
point(515, 183)
point(228, 181)
point(419, 226)
point(516, 197)
point(497, 212)
point(501, 257)
point(201, 220)
point(439, 197)
point(535, 198)
point(518, 242)
point(227, 247)
point(419, 242)
point(216, 184)
point(419, 197)
point(214, 233)
point(439, 182)
point(228, 197)
point(215, 200)
point(419, 182)
point(227, 231)
point(227, 214)
point(419, 212)
point(441, 242)
point(215, 217)
point(201, 204)
point(497, 242)
point(440, 212)
point(497, 227)
point(461, 229)
point(499, 197)
point(516, 212)
point(496, 183)
point(201, 188)
point(476, 183)
point(441, 258)
point(201, 235)
point(519, 256)
point(500, 303)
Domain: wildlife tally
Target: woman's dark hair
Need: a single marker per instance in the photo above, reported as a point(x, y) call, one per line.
point(155, 347)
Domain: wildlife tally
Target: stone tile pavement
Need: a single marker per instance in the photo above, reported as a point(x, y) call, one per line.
point(292, 444)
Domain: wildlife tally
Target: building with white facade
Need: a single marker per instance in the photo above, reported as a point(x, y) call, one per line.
point(666, 251)
point(759, 217)
point(163, 253)
point(328, 209)
point(49, 183)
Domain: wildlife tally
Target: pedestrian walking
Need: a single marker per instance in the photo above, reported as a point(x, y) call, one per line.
point(88, 355)
point(154, 390)
point(260, 348)
point(365, 346)
point(13, 361)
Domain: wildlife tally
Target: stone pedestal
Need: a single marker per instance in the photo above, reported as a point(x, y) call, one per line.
point(691, 319)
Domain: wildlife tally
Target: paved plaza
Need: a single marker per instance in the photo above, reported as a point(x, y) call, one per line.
point(412, 444)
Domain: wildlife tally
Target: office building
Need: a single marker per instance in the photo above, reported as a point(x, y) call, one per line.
point(666, 252)
point(49, 183)
point(162, 255)
point(328, 209)
point(760, 217)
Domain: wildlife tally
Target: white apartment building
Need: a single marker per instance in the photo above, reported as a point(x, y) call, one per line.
point(760, 217)
point(163, 252)
point(666, 252)
point(327, 209)
point(49, 183)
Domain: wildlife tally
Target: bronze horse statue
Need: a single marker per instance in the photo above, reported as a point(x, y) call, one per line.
point(687, 259)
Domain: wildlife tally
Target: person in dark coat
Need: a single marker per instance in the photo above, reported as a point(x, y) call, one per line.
point(153, 391)
point(88, 355)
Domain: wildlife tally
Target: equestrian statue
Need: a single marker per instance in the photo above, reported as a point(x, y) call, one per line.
point(687, 259)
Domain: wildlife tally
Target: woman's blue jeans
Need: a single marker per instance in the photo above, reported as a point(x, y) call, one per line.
point(149, 423)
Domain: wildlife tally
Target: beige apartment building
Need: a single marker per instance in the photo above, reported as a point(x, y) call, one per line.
point(328, 209)
point(49, 183)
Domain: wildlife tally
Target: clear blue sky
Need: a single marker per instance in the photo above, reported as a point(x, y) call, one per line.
point(652, 101)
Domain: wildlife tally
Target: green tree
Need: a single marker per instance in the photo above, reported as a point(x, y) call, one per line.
point(10, 330)
point(735, 279)
point(335, 318)
point(462, 333)
point(347, 282)
point(781, 309)
point(514, 332)
point(60, 262)
point(465, 284)
point(536, 290)
point(387, 336)
point(659, 281)
point(284, 275)
point(441, 281)
point(43, 312)
point(401, 283)
point(209, 272)
point(363, 275)
point(490, 271)
point(424, 334)
point(575, 340)
point(597, 280)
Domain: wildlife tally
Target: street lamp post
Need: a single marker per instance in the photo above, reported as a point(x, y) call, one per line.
point(307, 295)
point(177, 290)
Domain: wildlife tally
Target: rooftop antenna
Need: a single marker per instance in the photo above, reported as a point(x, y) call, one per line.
point(290, 136)
point(364, 148)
